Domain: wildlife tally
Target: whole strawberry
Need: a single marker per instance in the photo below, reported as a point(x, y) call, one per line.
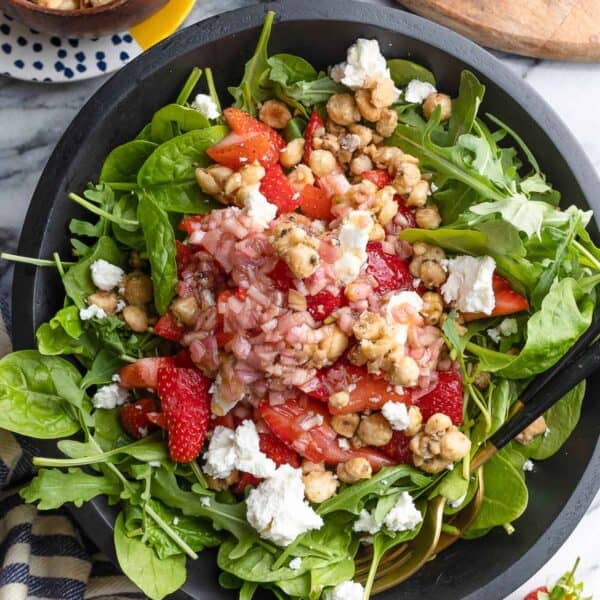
point(134, 417)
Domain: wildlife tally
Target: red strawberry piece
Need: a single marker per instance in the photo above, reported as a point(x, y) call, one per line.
point(446, 397)
point(314, 203)
point(380, 177)
point(190, 223)
point(282, 276)
point(159, 419)
point(143, 373)
point(241, 122)
point(185, 400)
point(390, 272)
point(183, 255)
point(275, 187)
point(246, 479)
point(168, 328)
point(236, 150)
point(507, 301)
point(407, 211)
point(321, 305)
point(134, 417)
point(184, 359)
point(315, 122)
point(534, 594)
point(397, 448)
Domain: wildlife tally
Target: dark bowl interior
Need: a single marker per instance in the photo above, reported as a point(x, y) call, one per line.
point(560, 488)
point(118, 16)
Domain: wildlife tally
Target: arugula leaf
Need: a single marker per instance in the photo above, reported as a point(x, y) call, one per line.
point(124, 161)
point(53, 488)
point(404, 71)
point(30, 403)
point(129, 235)
point(64, 334)
point(309, 93)
point(466, 106)
point(156, 577)
point(102, 369)
point(160, 241)
point(186, 119)
point(454, 199)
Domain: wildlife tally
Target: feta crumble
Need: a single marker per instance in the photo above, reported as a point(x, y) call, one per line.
point(105, 275)
point(469, 284)
point(205, 501)
point(295, 563)
point(348, 590)
point(277, 508)
point(458, 502)
point(109, 396)
point(343, 443)
point(204, 104)
point(258, 208)
point(354, 237)
point(528, 465)
point(364, 62)
point(239, 449)
point(397, 415)
point(93, 311)
point(417, 91)
point(506, 328)
point(404, 516)
point(366, 523)
point(411, 299)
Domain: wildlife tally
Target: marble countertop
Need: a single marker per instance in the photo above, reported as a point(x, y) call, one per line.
point(33, 117)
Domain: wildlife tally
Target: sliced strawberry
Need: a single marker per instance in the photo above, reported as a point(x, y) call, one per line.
point(282, 276)
point(366, 391)
point(534, 595)
point(446, 397)
point(183, 254)
point(314, 203)
point(190, 224)
point(380, 177)
point(315, 122)
point(275, 187)
point(134, 417)
point(390, 272)
point(168, 328)
point(241, 122)
point(185, 400)
point(398, 448)
point(508, 301)
point(184, 359)
point(406, 211)
point(319, 443)
point(159, 419)
point(235, 150)
point(321, 305)
point(143, 373)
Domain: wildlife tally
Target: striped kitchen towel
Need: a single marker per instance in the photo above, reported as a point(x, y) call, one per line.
point(43, 554)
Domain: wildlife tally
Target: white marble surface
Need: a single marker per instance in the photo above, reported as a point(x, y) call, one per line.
point(33, 116)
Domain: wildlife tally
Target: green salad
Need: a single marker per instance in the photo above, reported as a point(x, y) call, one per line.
point(291, 320)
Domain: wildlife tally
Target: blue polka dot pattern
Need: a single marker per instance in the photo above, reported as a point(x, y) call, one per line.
point(62, 53)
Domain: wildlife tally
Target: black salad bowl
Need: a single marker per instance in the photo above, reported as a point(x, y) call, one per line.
point(320, 30)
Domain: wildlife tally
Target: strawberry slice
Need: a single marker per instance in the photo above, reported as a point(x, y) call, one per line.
point(185, 400)
point(314, 203)
point(507, 301)
point(319, 443)
point(241, 122)
point(398, 449)
point(190, 223)
point(534, 595)
point(315, 122)
point(380, 177)
point(275, 187)
point(390, 272)
point(159, 419)
point(184, 359)
point(321, 305)
point(236, 150)
point(282, 276)
point(134, 417)
point(366, 391)
point(168, 328)
point(446, 397)
point(183, 253)
point(143, 373)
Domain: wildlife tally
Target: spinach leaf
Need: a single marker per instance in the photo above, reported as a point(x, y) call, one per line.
point(186, 118)
point(124, 162)
point(169, 171)
point(156, 577)
point(289, 68)
point(250, 90)
point(466, 106)
point(404, 71)
point(64, 334)
point(30, 403)
point(53, 488)
point(503, 396)
point(108, 431)
point(78, 281)
point(453, 486)
point(104, 366)
point(160, 241)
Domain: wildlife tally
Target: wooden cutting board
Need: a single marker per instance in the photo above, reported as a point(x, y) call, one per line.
point(555, 29)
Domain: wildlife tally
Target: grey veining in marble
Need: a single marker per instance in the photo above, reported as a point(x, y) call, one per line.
point(33, 116)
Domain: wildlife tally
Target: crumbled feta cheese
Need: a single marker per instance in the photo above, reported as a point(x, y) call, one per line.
point(311, 420)
point(349, 590)
point(258, 208)
point(494, 334)
point(239, 449)
point(354, 237)
point(295, 563)
point(417, 91)
point(434, 188)
point(508, 327)
point(277, 508)
point(116, 378)
point(400, 299)
point(154, 463)
point(176, 521)
point(105, 275)
point(469, 284)
point(404, 515)
point(458, 502)
point(109, 396)
point(528, 465)
point(121, 304)
point(397, 415)
point(364, 62)
point(92, 312)
point(366, 523)
point(205, 501)
point(343, 443)
point(204, 104)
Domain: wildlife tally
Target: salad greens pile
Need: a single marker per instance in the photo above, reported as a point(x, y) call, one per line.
point(494, 200)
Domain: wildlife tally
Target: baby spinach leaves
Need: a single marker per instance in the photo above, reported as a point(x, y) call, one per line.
point(185, 118)
point(404, 71)
point(124, 162)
